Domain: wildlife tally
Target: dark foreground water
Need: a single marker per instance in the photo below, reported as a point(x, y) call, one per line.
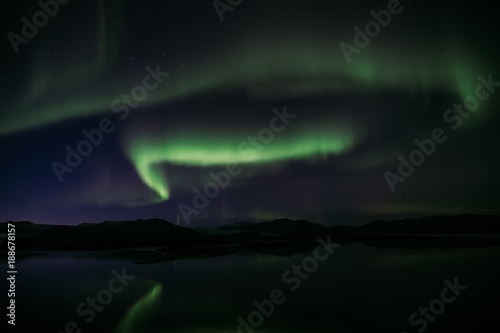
point(357, 289)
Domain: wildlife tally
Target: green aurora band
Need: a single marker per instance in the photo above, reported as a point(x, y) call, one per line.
point(262, 72)
point(218, 148)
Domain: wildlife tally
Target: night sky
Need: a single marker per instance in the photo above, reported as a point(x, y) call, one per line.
point(179, 95)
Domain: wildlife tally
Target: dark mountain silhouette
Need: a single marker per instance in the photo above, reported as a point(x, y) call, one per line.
point(281, 226)
point(282, 236)
point(26, 228)
point(434, 225)
point(112, 234)
point(140, 229)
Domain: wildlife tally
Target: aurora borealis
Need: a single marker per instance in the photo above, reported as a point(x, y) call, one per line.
point(226, 82)
point(220, 148)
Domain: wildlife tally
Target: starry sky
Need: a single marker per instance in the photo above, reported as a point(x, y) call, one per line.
point(171, 95)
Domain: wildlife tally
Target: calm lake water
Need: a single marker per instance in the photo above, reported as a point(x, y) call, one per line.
point(357, 289)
